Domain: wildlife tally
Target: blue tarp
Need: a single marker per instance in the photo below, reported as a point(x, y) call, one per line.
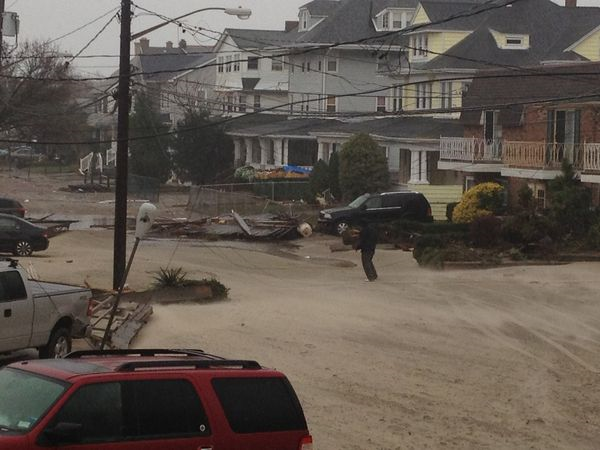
point(297, 169)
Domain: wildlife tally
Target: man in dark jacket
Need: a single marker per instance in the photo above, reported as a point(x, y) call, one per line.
point(367, 241)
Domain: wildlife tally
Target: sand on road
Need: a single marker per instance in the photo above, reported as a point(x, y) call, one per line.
point(502, 359)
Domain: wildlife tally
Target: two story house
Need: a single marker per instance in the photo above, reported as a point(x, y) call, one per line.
point(519, 127)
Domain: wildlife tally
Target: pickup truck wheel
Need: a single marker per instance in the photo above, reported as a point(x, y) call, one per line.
point(58, 346)
point(341, 226)
point(23, 248)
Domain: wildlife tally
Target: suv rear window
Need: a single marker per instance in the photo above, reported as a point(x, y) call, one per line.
point(259, 405)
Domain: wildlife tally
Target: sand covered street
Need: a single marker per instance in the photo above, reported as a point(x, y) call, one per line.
point(502, 358)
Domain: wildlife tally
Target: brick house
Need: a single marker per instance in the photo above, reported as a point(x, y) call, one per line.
point(519, 127)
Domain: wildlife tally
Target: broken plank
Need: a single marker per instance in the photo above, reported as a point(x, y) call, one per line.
point(242, 223)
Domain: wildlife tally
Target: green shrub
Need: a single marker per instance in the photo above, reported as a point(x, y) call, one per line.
point(484, 199)
point(485, 231)
point(170, 277)
point(593, 237)
point(217, 288)
point(525, 229)
point(450, 210)
point(319, 179)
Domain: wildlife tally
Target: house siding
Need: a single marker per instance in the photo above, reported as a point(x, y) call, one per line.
point(420, 16)
point(590, 47)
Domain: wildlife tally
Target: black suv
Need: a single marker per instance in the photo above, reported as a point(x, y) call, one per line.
point(383, 207)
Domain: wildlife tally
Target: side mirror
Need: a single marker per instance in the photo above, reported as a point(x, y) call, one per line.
point(63, 432)
point(145, 219)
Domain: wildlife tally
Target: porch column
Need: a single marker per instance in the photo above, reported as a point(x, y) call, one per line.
point(248, 143)
point(237, 152)
point(321, 151)
point(423, 172)
point(286, 152)
point(278, 144)
point(264, 151)
point(415, 170)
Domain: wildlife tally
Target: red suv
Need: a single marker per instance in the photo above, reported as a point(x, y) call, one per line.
point(148, 400)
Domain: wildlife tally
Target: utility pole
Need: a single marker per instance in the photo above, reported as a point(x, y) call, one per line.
point(2, 7)
point(120, 236)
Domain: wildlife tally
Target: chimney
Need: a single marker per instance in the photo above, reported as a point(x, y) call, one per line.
point(571, 3)
point(142, 46)
point(290, 25)
point(169, 45)
point(182, 44)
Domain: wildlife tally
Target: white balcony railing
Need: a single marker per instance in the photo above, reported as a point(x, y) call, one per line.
point(591, 157)
point(470, 149)
point(541, 155)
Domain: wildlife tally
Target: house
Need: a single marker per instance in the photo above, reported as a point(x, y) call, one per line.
point(250, 76)
point(176, 77)
point(519, 127)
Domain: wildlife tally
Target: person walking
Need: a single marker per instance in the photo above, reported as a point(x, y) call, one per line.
point(367, 241)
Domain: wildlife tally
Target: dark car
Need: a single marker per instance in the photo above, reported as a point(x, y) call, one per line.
point(10, 206)
point(148, 400)
point(383, 207)
point(20, 237)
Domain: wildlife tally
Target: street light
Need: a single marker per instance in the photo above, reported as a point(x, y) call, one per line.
point(120, 235)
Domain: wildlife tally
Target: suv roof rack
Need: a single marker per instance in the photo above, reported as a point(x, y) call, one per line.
point(195, 363)
point(139, 352)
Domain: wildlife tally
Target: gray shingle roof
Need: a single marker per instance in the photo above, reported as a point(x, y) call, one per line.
point(169, 65)
point(396, 127)
point(501, 89)
point(259, 39)
point(322, 7)
point(551, 29)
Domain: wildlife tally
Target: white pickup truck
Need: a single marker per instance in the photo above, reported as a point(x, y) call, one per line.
point(42, 315)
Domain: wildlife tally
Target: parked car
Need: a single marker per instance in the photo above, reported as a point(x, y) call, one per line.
point(10, 206)
point(21, 237)
point(42, 315)
point(24, 156)
point(148, 400)
point(377, 208)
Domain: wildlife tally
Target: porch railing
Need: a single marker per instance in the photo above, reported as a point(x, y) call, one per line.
point(470, 149)
point(591, 157)
point(542, 155)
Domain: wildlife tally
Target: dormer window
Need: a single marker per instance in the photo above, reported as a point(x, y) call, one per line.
point(303, 26)
point(516, 41)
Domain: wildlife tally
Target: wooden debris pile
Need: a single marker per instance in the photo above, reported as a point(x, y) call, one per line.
point(262, 226)
point(129, 320)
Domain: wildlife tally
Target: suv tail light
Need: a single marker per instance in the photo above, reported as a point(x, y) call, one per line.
point(306, 443)
point(21, 212)
point(429, 214)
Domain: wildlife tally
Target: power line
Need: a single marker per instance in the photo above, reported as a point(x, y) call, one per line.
point(112, 10)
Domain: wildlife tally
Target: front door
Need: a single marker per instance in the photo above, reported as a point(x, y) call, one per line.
point(16, 312)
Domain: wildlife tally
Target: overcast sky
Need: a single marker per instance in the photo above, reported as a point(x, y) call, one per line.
point(50, 19)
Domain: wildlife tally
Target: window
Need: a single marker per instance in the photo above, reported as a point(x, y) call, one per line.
point(259, 405)
point(303, 66)
point(396, 99)
point(257, 102)
point(236, 63)
point(11, 286)
point(228, 65)
point(252, 62)
point(514, 41)
point(148, 409)
point(276, 64)
point(381, 104)
point(424, 91)
point(540, 198)
point(308, 66)
point(331, 103)
point(242, 103)
point(385, 21)
point(332, 65)
point(373, 202)
point(490, 126)
point(303, 20)
point(220, 62)
point(446, 94)
point(230, 103)
point(420, 45)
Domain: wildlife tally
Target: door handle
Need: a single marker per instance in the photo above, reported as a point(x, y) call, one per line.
point(7, 312)
point(204, 448)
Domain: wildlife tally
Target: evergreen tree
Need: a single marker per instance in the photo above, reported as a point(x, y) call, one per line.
point(363, 167)
point(149, 156)
point(203, 153)
point(334, 175)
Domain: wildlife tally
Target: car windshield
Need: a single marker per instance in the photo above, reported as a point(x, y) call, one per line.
point(358, 201)
point(24, 398)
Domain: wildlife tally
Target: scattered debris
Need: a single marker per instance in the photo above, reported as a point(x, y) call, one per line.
point(54, 227)
point(129, 320)
point(83, 188)
point(261, 226)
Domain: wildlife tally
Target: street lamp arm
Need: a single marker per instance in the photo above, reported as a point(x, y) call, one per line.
point(240, 12)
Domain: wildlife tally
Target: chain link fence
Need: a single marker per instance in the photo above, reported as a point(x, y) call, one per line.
point(278, 197)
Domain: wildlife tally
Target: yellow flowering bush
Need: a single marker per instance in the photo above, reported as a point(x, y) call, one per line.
point(481, 200)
